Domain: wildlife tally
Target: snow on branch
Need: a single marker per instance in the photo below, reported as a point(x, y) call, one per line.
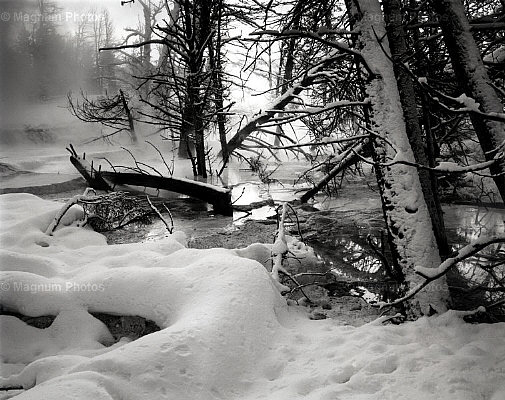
point(170, 228)
point(280, 247)
point(60, 214)
point(432, 274)
point(281, 102)
point(305, 112)
point(450, 167)
point(328, 106)
point(279, 252)
point(442, 167)
point(467, 104)
point(323, 142)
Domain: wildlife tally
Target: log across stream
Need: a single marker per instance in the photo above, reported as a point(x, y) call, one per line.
point(219, 197)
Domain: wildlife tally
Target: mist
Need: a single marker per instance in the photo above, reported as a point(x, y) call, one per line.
point(49, 49)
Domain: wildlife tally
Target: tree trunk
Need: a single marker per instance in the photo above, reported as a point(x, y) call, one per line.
point(197, 30)
point(216, 65)
point(200, 143)
point(472, 75)
point(398, 48)
point(186, 133)
point(408, 220)
point(129, 115)
point(146, 59)
point(221, 119)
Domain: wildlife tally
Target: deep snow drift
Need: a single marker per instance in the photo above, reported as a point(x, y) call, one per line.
point(226, 331)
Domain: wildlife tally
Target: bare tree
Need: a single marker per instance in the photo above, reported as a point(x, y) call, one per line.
point(187, 92)
point(143, 65)
point(111, 111)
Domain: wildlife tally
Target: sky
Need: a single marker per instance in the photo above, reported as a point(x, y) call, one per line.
point(122, 16)
point(71, 12)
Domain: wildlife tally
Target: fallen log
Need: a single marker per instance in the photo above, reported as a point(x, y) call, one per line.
point(87, 170)
point(219, 197)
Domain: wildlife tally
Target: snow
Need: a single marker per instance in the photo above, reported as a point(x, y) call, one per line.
point(204, 185)
point(468, 102)
point(226, 333)
point(70, 329)
point(448, 166)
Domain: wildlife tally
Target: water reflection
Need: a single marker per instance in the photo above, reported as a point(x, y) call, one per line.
point(479, 279)
point(471, 222)
point(359, 258)
point(349, 258)
point(337, 230)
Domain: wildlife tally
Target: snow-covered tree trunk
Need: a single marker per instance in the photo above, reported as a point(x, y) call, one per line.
point(405, 211)
point(398, 48)
point(472, 75)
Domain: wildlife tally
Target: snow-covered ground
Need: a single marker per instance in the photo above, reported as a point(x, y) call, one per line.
point(226, 333)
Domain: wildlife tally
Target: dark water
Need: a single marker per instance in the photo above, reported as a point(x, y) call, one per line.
point(338, 229)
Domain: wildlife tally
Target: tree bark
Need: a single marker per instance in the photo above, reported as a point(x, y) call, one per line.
point(472, 75)
point(407, 217)
point(197, 30)
point(146, 49)
point(186, 145)
point(398, 48)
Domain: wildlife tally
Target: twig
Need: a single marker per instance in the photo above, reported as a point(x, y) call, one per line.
point(61, 213)
point(238, 198)
point(432, 274)
point(170, 171)
point(169, 229)
point(170, 215)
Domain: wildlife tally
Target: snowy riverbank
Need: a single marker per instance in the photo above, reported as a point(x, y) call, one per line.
point(226, 332)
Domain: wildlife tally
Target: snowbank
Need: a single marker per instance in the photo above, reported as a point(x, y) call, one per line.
point(208, 303)
point(226, 332)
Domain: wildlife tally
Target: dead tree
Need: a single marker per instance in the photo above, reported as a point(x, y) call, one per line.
point(112, 112)
point(219, 197)
point(186, 92)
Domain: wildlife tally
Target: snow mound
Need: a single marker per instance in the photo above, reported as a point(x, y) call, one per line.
point(208, 302)
point(226, 332)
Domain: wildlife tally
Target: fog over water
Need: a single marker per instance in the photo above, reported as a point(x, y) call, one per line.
point(48, 48)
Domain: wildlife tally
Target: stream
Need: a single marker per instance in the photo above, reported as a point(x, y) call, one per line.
point(335, 227)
